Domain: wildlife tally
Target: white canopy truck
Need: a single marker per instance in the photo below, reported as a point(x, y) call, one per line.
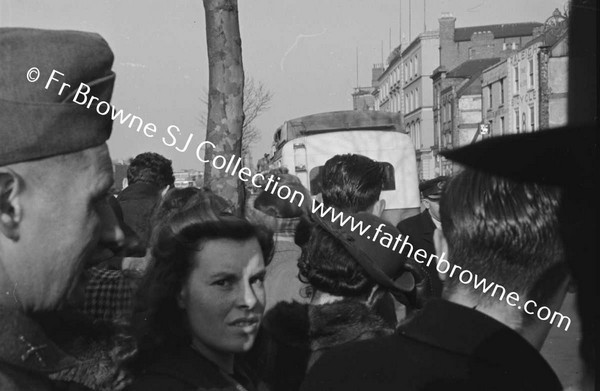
point(304, 144)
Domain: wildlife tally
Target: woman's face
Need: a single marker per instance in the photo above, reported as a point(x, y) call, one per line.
point(224, 296)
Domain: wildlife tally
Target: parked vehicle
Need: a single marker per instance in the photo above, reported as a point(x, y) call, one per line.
point(304, 144)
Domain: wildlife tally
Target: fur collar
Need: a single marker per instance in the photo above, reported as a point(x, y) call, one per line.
point(315, 327)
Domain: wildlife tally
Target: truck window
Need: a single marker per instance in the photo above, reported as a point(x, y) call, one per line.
point(389, 181)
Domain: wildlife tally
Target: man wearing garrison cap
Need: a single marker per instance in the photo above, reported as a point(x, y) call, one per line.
point(420, 228)
point(55, 172)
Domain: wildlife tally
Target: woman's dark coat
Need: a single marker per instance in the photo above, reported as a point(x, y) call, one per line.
point(294, 336)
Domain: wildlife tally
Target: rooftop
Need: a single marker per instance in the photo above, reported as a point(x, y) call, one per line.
point(472, 68)
point(499, 30)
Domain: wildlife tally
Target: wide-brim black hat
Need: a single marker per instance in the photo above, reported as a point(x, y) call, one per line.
point(566, 157)
point(385, 266)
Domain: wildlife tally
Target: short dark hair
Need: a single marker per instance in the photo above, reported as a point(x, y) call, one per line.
point(150, 167)
point(273, 205)
point(328, 267)
point(351, 182)
point(504, 231)
point(180, 236)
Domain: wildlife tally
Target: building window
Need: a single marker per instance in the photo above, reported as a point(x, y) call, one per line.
point(501, 91)
point(501, 125)
point(530, 79)
point(531, 118)
point(516, 77)
point(418, 134)
point(416, 98)
point(406, 74)
point(517, 126)
point(490, 95)
point(406, 102)
point(443, 107)
point(416, 65)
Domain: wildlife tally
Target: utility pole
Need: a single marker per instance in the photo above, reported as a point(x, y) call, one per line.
point(424, 15)
point(357, 67)
point(400, 23)
point(409, 21)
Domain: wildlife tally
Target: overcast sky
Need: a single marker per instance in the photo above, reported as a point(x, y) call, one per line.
point(304, 51)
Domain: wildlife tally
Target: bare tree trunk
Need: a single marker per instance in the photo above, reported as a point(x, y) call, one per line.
point(225, 96)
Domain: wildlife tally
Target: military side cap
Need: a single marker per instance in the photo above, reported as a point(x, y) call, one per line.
point(566, 157)
point(385, 266)
point(433, 188)
point(38, 115)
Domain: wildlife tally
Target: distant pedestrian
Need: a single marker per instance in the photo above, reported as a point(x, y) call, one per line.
point(149, 176)
point(420, 229)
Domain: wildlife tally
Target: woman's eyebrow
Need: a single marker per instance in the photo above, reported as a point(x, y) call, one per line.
point(223, 275)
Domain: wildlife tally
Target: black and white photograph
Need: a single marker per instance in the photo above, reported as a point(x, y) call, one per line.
point(280, 195)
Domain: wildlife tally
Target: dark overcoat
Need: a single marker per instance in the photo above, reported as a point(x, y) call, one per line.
point(294, 335)
point(445, 347)
point(420, 229)
point(184, 369)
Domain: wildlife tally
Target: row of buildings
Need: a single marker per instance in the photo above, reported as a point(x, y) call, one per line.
point(455, 85)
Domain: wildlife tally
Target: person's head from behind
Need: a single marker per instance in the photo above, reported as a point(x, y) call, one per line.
point(340, 262)
point(328, 267)
point(55, 172)
point(204, 284)
point(282, 215)
point(151, 168)
point(353, 183)
point(506, 232)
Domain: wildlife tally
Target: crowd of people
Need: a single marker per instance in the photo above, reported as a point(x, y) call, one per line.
point(162, 288)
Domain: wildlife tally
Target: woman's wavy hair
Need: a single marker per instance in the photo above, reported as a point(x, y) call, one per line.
point(159, 323)
point(328, 267)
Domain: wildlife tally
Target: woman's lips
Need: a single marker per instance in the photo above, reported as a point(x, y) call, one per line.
point(247, 324)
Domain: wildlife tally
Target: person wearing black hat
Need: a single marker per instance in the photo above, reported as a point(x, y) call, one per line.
point(420, 228)
point(470, 339)
point(55, 174)
point(348, 274)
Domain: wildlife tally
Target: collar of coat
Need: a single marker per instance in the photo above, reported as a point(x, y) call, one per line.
point(24, 345)
point(315, 327)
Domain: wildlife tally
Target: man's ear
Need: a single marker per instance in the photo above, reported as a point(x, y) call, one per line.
point(11, 211)
point(425, 203)
point(441, 247)
point(182, 297)
point(378, 207)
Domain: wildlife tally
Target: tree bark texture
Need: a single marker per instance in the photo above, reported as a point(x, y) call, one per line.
point(225, 96)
